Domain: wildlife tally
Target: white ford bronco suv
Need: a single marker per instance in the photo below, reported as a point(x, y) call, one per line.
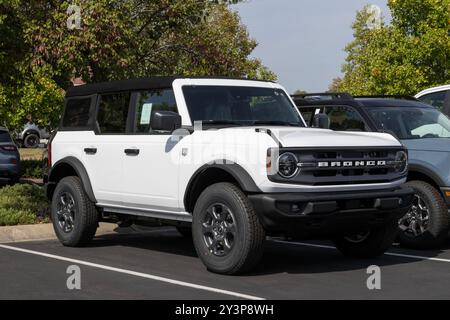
point(227, 161)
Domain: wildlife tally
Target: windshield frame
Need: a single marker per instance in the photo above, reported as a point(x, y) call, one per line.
point(246, 123)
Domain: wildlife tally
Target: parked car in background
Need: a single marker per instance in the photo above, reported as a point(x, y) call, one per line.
point(438, 97)
point(423, 129)
point(31, 135)
point(9, 158)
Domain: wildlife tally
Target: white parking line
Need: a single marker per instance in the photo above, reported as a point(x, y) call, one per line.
point(134, 273)
point(410, 256)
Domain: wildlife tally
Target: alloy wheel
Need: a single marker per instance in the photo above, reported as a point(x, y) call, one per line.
point(416, 221)
point(219, 229)
point(66, 212)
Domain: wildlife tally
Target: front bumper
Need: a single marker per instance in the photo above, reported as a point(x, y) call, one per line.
point(322, 215)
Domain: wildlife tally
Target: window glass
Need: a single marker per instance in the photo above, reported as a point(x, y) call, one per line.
point(308, 114)
point(113, 112)
point(240, 105)
point(150, 101)
point(435, 99)
point(77, 112)
point(412, 123)
point(344, 118)
point(4, 136)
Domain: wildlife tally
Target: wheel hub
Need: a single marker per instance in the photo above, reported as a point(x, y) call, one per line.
point(219, 229)
point(66, 212)
point(416, 221)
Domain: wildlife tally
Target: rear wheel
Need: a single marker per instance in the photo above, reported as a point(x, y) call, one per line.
point(31, 141)
point(227, 234)
point(368, 244)
point(74, 216)
point(427, 224)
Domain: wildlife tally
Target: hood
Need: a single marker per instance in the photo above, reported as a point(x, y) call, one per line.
point(311, 137)
point(429, 144)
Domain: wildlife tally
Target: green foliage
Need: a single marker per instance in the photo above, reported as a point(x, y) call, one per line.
point(31, 169)
point(22, 204)
point(405, 57)
point(39, 54)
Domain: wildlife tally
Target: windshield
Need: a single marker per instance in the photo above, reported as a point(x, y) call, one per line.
point(231, 105)
point(412, 122)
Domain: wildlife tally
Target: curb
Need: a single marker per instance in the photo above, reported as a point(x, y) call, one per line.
point(43, 231)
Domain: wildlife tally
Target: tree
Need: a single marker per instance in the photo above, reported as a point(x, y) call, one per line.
point(300, 91)
point(410, 54)
point(115, 40)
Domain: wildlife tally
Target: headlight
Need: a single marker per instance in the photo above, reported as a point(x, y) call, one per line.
point(401, 161)
point(287, 165)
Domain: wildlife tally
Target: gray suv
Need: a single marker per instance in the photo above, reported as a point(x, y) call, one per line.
point(423, 129)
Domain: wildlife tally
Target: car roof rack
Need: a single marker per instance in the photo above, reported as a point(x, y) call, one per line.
point(318, 96)
point(389, 96)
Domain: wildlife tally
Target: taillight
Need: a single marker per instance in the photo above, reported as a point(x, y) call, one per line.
point(9, 147)
point(49, 154)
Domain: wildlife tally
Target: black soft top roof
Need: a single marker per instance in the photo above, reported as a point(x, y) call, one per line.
point(133, 85)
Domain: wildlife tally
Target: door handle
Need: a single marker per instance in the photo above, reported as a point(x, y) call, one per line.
point(90, 150)
point(131, 152)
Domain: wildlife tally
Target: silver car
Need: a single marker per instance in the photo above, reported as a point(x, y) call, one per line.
point(31, 135)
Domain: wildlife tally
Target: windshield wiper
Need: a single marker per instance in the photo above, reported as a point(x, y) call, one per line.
point(221, 122)
point(277, 123)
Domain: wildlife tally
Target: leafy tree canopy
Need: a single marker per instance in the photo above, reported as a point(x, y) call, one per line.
point(404, 57)
point(40, 55)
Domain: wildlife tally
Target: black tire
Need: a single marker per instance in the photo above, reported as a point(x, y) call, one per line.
point(186, 232)
point(249, 236)
point(436, 232)
point(84, 213)
point(372, 244)
point(31, 140)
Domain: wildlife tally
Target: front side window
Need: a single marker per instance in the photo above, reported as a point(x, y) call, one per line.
point(149, 102)
point(343, 118)
point(412, 122)
point(112, 112)
point(77, 113)
point(436, 99)
point(235, 105)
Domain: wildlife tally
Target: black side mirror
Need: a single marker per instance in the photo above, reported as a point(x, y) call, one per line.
point(321, 121)
point(165, 121)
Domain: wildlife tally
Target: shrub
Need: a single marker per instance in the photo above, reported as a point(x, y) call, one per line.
point(23, 204)
point(31, 169)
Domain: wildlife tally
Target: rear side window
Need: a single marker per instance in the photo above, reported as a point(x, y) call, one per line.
point(4, 136)
point(149, 102)
point(113, 112)
point(77, 113)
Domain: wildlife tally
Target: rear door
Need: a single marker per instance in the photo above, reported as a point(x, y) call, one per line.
point(103, 150)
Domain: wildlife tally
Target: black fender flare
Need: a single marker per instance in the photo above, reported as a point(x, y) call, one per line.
point(428, 172)
point(81, 172)
point(243, 178)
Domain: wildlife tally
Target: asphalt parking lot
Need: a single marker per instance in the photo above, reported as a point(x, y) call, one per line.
point(163, 265)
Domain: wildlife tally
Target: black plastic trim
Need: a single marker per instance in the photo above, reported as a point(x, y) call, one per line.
point(81, 173)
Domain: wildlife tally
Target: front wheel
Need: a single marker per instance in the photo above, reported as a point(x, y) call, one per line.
point(226, 231)
point(368, 244)
point(74, 216)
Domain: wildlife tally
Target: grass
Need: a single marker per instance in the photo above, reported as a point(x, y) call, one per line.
point(31, 154)
point(31, 169)
point(23, 204)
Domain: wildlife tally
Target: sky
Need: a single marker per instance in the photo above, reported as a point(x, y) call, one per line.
point(303, 41)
